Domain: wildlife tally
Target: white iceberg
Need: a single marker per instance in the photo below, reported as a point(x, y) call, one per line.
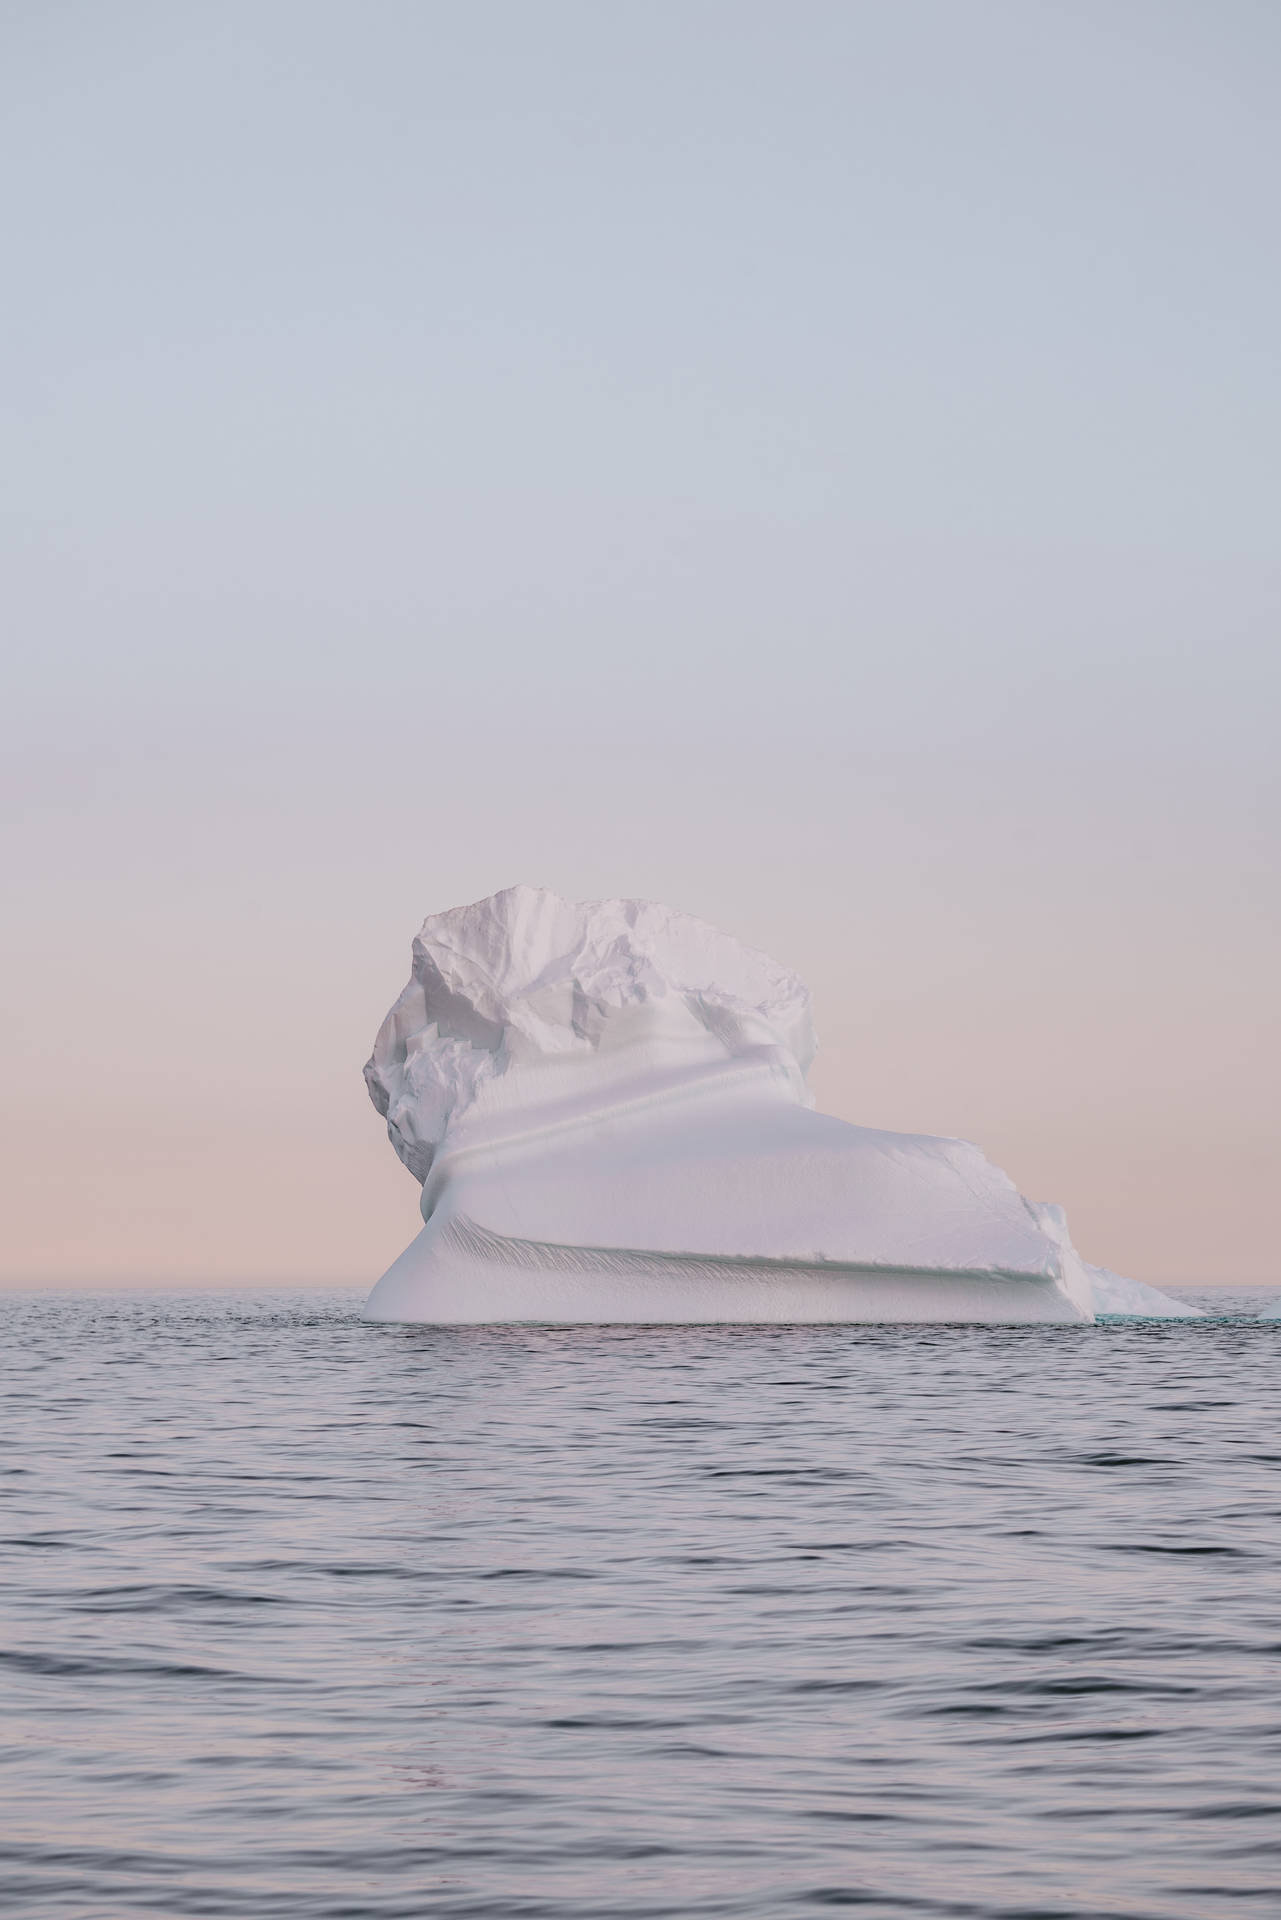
point(605, 1102)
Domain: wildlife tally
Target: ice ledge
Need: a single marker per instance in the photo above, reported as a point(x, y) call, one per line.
point(466, 1275)
point(1118, 1298)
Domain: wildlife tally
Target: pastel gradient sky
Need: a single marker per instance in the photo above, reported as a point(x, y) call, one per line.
point(812, 463)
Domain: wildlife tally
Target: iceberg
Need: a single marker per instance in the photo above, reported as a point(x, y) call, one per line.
point(606, 1105)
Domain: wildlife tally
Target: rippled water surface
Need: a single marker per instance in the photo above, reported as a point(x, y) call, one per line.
point(309, 1618)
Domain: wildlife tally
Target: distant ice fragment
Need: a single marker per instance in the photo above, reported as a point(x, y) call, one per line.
point(606, 1104)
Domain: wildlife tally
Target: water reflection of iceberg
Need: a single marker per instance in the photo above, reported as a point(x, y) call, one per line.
point(606, 1104)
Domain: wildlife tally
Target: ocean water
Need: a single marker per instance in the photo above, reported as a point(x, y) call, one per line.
point(313, 1619)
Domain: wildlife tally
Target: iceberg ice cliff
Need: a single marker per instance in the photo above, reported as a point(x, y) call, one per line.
point(606, 1104)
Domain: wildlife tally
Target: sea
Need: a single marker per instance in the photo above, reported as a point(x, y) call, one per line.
point(303, 1618)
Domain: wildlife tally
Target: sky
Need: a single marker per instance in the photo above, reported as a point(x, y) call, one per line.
point(815, 464)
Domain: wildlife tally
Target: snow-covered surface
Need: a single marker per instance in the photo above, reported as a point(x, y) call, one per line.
point(606, 1104)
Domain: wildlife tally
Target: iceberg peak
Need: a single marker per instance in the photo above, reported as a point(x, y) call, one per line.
point(527, 1001)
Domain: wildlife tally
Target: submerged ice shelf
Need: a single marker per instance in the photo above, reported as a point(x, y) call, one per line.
point(606, 1104)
